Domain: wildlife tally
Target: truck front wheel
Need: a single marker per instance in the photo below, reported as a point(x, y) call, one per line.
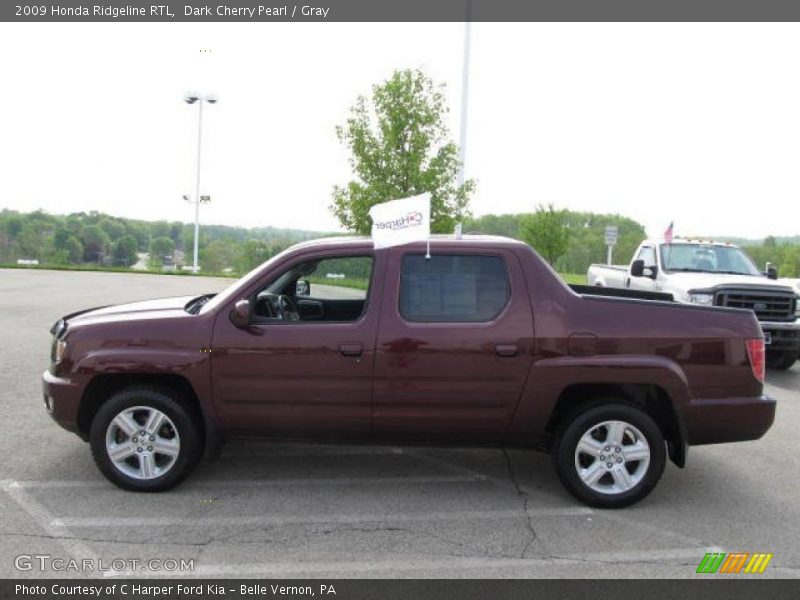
point(781, 360)
point(609, 455)
point(146, 439)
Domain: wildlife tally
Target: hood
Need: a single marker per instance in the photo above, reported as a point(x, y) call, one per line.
point(683, 282)
point(146, 309)
point(792, 283)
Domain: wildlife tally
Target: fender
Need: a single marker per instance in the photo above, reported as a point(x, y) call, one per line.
point(548, 378)
point(143, 359)
point(191, 364)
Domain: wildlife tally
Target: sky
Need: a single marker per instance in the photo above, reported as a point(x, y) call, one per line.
point(693, 123)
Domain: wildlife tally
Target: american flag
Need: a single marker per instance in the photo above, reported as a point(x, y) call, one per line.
point(668, 233)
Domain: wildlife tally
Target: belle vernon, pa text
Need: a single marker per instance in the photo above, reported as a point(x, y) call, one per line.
point(176, 591)
point(164, 10)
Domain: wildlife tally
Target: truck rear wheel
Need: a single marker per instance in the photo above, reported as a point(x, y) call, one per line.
point(780, 360)
point(609, 455)
point(145, 439)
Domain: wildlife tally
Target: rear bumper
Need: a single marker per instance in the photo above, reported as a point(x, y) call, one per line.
point(719, 420)
point(62, 399)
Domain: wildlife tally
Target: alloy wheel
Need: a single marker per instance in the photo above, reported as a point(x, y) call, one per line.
point(142, 442)
point(612, 457)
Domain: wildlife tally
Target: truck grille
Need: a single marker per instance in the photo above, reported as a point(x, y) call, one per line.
point(768, 306)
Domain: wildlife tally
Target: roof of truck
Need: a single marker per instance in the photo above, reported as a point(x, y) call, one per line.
point(697, 241)
point(436, 240)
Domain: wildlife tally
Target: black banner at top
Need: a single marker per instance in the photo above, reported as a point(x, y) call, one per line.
point(399, 10)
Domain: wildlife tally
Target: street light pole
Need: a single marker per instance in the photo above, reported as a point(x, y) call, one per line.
point(192, 98)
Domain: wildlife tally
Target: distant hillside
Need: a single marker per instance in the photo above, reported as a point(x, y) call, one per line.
point(103, 240)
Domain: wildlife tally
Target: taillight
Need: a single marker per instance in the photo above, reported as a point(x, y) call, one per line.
point(755, 350)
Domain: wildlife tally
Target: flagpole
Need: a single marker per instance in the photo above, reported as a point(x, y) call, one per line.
point(462, 134)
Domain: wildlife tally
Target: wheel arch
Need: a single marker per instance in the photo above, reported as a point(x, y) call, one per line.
point(651, 398)
point(102, 386)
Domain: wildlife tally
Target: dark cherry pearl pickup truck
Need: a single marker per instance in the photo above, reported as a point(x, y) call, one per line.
point(482, 344)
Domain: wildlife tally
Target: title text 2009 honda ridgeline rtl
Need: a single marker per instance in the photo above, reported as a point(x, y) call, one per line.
point(482, 344)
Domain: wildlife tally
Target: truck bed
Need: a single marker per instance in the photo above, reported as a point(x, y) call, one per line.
point(595, 290)
point(622, 268)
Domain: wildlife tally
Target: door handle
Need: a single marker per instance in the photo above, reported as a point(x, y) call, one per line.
point(351, 349)
point(506, 350)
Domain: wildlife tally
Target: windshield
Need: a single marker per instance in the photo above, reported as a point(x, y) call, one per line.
point(707, 258)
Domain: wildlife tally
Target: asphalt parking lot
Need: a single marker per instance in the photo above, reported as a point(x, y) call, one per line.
point(271, 510)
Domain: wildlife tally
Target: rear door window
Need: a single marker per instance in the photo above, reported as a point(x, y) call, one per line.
point(451, 288)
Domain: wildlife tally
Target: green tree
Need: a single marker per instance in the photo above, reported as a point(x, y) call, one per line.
point(138, 231)
point(96, 243)
point(252, 254)
point(125, 250)
point(162, 249)
point(217, 256)
point(175, 232)
point(14, 225)
point(73, 248)
point(187, 240)
point(60, 237)
point(114, 228)
point(546, 230)
point(400, 146)
point(159, 229)
point(505, 225)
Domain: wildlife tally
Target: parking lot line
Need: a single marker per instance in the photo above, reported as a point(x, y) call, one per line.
point(439, 462)
point(91, 522)
point(45, 519)
point(427, 564)
point(647, 527)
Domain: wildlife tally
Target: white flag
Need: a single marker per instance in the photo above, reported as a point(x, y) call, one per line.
point(401, 221)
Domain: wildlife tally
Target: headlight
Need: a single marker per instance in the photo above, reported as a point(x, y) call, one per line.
point(704, 299)
point(59, 351)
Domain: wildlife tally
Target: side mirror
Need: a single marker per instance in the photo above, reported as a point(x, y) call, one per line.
point(302, 288)
point(637, 268)
point(650, 272)
point(240, 315)
point(771, 272)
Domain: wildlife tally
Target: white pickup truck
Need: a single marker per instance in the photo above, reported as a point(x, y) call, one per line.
point(714, 274)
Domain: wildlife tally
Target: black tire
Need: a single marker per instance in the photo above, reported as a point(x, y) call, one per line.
point(573, 428)
point(781, 360)
point(187, 425)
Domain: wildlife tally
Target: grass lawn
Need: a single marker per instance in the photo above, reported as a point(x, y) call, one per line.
point(574, 278)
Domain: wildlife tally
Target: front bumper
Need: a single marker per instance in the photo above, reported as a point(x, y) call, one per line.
point(783, 336)
point(62, 399)
point(720, 420)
